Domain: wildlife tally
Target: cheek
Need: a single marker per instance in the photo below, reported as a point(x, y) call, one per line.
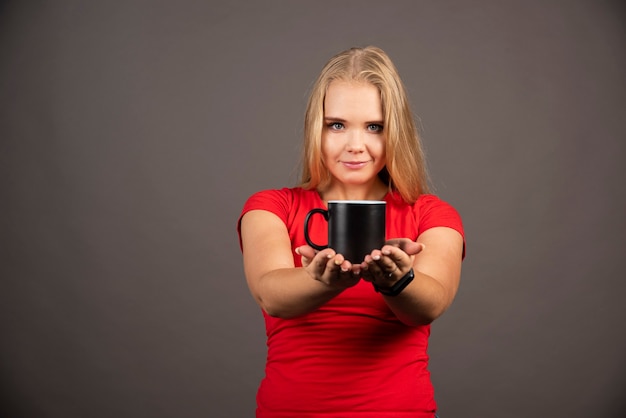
point(329, 149)
point(324, 148)
point(379, 148)
point(327, 155)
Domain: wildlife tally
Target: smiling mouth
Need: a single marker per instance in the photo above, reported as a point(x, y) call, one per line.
point(354, 164)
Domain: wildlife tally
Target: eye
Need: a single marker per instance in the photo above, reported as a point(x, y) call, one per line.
point(375, 127)
point(335, 126)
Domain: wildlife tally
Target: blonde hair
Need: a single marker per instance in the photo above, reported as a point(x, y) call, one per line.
point(405, 170)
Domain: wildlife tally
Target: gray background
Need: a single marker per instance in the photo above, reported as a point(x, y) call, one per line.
point(132, 132)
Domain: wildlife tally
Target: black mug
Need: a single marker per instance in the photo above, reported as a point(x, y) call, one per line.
point(355, 227)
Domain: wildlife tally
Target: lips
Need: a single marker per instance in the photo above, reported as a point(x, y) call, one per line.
point(354, 165)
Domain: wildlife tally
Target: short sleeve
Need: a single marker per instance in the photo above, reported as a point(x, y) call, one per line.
point(434, 212)
point(278, 202)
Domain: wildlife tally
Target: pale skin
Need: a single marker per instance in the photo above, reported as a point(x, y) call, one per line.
point(354, 152)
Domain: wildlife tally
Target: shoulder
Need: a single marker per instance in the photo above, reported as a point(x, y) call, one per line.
point(273, 200)
point(432, 211)
point(427, 212)
point(431, 201)
point(268, 196)
point(425, 203)
point(281, 202)
point(265, 199)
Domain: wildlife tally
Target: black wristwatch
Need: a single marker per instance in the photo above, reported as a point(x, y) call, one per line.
point(398, 286)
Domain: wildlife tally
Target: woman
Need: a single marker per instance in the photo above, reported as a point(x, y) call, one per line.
point(341, 342)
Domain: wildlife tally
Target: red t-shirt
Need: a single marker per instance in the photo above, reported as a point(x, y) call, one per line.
point(351, 357)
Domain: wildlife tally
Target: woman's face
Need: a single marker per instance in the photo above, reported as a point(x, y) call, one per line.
point(353, 139)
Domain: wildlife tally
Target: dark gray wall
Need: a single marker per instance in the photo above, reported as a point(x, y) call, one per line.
point(132, 132)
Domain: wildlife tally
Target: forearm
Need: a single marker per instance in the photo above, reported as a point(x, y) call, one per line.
point(280, 288)
point(291, 292)
point(436, 263)
point(421, 302)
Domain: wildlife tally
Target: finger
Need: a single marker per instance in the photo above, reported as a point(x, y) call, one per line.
point(341, 264)
point(356, 269)
point(346, 266)
point(387, 258)
point(306, 251)
point(376, 263)
point(304, 260)
point(366, 275)
point(331, 269)
point(322, 261)
point(395, 256)
point(345, 274)
point(408, 246)
point(331, 265)
point(376, 273)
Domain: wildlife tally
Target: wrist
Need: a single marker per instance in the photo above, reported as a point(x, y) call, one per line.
point(398, 286)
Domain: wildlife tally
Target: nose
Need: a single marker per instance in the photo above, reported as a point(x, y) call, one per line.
point(356, 141)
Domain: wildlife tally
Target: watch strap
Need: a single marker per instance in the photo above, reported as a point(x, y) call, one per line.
point(398, 286)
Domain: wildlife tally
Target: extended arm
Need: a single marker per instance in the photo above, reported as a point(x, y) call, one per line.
point(280, 288)
point(436, 261)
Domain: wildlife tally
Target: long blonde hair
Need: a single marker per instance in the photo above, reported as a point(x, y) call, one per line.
point(405, 171)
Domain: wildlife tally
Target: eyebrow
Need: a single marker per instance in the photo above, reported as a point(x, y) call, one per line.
point(330, 118)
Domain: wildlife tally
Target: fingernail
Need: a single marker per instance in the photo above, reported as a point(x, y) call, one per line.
point(376, 257)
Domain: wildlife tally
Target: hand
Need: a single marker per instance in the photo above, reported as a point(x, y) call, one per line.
point(386, 266)
point(329, 267)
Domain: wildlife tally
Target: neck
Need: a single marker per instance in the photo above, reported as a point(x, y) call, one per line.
point(375, 191)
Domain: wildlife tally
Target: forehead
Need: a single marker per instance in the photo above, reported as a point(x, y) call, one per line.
point(352, 98)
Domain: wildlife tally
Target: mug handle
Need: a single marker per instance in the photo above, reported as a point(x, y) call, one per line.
point(306, 228)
